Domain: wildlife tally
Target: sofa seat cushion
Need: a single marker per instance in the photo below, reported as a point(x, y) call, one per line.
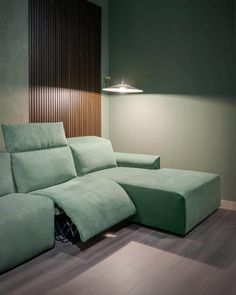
point(26, 228)
point(170, 199)
point(92, 203)
point(39, 169)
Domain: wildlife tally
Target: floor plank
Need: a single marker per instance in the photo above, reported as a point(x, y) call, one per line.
point(131, 259)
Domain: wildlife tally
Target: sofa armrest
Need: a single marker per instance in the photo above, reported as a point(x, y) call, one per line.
point(137, 160)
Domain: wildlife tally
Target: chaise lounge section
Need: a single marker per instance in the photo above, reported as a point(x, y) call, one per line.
point(169, 199)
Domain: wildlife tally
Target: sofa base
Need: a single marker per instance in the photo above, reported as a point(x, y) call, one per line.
point(65, 230)
point(26, 228)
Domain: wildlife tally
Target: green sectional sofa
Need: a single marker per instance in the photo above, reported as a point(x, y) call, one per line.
point(92, 186)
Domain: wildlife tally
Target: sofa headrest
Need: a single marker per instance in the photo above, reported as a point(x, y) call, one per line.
point(33, 136)
point(6, 179)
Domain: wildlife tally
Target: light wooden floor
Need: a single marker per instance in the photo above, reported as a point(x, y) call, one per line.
point(135, 260)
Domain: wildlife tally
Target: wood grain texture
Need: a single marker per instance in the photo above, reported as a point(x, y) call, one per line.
point(65, 64)
point(133, 260)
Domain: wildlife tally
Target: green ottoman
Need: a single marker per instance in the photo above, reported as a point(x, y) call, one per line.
point(26, 228)
point(169, 199)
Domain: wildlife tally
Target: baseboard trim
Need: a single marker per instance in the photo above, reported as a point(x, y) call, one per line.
point(230, 205)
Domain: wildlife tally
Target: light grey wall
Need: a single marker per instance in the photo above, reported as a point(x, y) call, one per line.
point(182, 53)
point(105, 64)
point(13, 62)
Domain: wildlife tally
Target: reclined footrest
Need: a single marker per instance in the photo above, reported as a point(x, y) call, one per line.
point(65, 230)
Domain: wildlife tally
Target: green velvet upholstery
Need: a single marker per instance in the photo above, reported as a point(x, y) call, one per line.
point(93, 204)
point(33, 136)
point(92, 154)
point(39, 169)
point(6, 181)
point(85, 139)
point(137, 160)
point(169, 199)
point(26, 228)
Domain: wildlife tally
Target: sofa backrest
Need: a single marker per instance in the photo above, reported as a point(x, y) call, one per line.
point(40, 155)
point(91, 154)
point(6, 179)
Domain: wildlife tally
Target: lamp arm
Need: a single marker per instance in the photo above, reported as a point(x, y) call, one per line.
point(107, 80)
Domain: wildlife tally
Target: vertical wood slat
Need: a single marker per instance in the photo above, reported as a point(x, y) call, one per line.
point(65, 64)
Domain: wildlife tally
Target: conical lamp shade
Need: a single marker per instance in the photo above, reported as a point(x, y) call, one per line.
point(122, 88)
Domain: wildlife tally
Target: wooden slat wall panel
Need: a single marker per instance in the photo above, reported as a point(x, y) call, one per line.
point(65, 64)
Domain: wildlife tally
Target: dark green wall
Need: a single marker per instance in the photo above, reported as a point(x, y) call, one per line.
point(169, 46)
point(182, 54)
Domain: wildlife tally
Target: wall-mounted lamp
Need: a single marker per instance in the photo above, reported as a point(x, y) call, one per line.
point(119, 88)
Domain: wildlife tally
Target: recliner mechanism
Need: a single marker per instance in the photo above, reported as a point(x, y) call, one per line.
point(65, 230)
